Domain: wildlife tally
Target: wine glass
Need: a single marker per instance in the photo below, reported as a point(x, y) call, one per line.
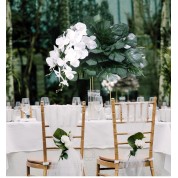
point(122, 99)
point(76, 101)
point(17, 105)
point(140, 99)
point(8, 105)
point(45, 100)
point(37, 103)
point(26, 107)
point(151, 98)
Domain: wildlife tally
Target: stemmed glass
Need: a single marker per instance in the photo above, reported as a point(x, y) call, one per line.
point(140, 99)
point(45, 100)
point(26, 107)
point(8, 105)
point(98, 104)
point(76, 101)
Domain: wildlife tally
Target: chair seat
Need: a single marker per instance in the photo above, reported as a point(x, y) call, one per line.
point(112, 160)
point(37, 161)
point(106, 159)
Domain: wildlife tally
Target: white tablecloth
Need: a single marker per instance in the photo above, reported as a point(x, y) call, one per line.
point(26, 136)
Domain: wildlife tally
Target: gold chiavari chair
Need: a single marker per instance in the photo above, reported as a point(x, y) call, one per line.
point(45, 164)
point(116, 163)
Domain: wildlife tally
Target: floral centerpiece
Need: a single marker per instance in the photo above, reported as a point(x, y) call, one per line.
point(136, 142)
point(63, 141)
point(98, 49)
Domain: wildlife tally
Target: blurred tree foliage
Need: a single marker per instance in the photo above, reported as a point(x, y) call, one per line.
point(36, 24)
point(150, 38)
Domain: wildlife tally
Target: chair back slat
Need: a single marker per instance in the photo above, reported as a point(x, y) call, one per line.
point(142, 116)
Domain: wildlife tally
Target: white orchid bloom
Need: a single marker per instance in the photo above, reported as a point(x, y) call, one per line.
point(50, 62)
point(93, 37)
point(79, 46)
point(70, 54)
point(104, 83)
point(73, 36)
point(69, 73)
point(139, 143)
point(83, 54)
point(91, 44)
point(75, 62)
point(60, 62)
point(112, 84)
point(78, 37)
point(70, 34)
point(62, 41)
point(64, 82)
point(81, 27)
point(54, 54)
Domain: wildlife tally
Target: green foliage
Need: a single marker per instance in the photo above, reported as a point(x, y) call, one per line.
point(110, 56)
point(64, 15)
point(166, 72)
point(57, 135)
point(131, 142)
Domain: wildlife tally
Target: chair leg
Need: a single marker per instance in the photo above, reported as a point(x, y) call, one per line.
point(152, 168)
point(28, 171)
point(116, 172)
point(97, 169)
point(45, 171)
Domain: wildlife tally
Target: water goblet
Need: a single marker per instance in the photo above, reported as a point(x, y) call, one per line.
point(45, 100)
point(76, 101)
point(140, 99)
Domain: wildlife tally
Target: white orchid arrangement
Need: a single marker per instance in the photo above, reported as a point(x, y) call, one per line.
point(110, 82)
point(136, 142)
point(72, 46)
point(63, 141)
point(98, 49)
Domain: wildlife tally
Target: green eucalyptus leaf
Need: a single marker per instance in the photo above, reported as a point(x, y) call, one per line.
point(96, 51)
point(134, 55)
point(65, 155)
point(138, 136)
point(131, 141)
point(116, 56)
point(91, 62)
point(90, 72)
point(119, 44)
point(59, 133)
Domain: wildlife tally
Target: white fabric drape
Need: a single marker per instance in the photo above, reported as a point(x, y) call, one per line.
point(66, 118)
